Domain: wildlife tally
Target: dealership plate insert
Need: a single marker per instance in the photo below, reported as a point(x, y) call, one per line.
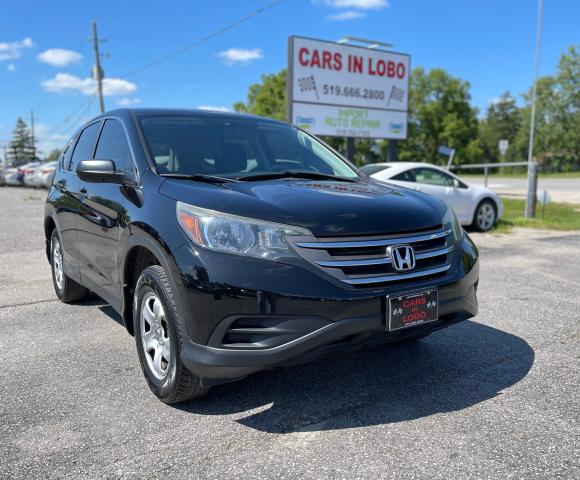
point(412, 309)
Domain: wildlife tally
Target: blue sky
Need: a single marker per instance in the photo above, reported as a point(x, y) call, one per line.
point(46, 61)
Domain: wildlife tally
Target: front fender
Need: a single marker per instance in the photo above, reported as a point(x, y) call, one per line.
point(143, 236)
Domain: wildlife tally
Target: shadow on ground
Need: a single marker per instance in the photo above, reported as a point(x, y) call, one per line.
point(451, 370)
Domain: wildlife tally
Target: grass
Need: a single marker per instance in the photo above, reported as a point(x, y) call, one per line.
point(557, 216)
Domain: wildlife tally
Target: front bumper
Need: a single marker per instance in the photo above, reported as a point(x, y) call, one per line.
point(246, 315)
point(284, 340)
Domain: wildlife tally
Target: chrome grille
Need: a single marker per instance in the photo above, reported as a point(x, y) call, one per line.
point(364, 261)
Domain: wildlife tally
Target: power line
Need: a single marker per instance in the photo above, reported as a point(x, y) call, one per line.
point(203, 39)
point(73, 113)
point(79, 117)
point(85, 105)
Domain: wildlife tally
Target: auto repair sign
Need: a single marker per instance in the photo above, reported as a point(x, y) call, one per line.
point(347, 91)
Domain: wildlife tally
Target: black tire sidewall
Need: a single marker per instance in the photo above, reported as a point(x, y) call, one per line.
point(148, 282)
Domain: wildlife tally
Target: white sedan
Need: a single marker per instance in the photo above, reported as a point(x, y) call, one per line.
point(474, 205)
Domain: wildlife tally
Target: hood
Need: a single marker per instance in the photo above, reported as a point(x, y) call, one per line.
point(326, 208)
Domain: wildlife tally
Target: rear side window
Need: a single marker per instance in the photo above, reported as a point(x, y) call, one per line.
point(85, 145)
point(65, 159)
point(113, 145)
point(408, 176)
point(371, 169)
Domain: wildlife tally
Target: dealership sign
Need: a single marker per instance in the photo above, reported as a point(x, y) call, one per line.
point(347, 91)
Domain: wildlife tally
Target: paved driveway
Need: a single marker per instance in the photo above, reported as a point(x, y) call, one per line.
point(565, 190)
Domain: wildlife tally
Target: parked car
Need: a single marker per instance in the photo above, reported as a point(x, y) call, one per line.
point(231, 244)
point(475, 206)
point(42, 176)
point(13, 176)
point(28, 173)
point(2, 178)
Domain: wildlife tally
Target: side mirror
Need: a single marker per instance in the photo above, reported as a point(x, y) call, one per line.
point(456, 184)
point(101, 171)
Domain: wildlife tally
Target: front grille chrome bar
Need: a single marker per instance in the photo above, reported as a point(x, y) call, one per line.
point(397, 277)
point(380, 261)
point(375, 243)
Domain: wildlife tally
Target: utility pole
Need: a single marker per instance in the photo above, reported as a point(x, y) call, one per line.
point(532, 167)
point(32, 139)
point(97, 70)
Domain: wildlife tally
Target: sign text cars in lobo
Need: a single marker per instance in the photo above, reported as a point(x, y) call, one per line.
point(347, 91)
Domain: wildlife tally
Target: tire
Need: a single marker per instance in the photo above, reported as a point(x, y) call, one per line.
point(159, 333)
point(66, 289)
point(485, 216)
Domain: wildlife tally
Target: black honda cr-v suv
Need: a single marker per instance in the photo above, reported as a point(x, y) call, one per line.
point(231, 244)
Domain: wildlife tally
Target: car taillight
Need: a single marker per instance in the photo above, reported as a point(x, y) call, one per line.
point(30, 170)
point(47, 170)
point(20, 171)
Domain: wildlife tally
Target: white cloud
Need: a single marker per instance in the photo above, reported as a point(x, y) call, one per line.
point(59, 57)
point(47, 141)
point(346, 15)
point(360, 4)
point(62, 82)
point(214, 108)
point(127, 102)
point(240, 55)
point(13, 50)
point(11, 67)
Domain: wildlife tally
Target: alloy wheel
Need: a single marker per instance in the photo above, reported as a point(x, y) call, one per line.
point(485, 216)
point(155, 335)
point(57, 264)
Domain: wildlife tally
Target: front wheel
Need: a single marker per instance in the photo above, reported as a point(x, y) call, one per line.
point(159, 336)
point(485, 216)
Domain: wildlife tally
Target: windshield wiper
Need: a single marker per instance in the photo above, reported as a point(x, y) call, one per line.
point(198, 177)
point(295, 174)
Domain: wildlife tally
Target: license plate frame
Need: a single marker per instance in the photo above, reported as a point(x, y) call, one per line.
point(422, 307)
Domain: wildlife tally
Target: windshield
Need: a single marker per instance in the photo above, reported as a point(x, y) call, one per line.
point(235, 147)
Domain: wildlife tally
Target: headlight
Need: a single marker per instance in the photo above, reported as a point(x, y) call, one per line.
point(239, 235)
point(451, 219)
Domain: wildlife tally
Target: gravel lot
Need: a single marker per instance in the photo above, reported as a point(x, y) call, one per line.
point(496, 397)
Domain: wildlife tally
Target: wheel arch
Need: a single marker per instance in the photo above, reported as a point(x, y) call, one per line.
point(49, 226)
point(482, 199)
point(143, 248)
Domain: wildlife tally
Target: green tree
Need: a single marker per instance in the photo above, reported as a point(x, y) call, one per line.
point(267, 98)
point(557, 131)
point(20, 149)
point(502, 121)
point(440, 114)
point(54, 155)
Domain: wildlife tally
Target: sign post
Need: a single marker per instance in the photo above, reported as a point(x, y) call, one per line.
point(448, 152)
point(503, 146)
point(544, 199)
point(348, 91)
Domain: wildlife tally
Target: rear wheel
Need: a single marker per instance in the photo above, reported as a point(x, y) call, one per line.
point(485, 216)
point(159, 336)
point(66, 289)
